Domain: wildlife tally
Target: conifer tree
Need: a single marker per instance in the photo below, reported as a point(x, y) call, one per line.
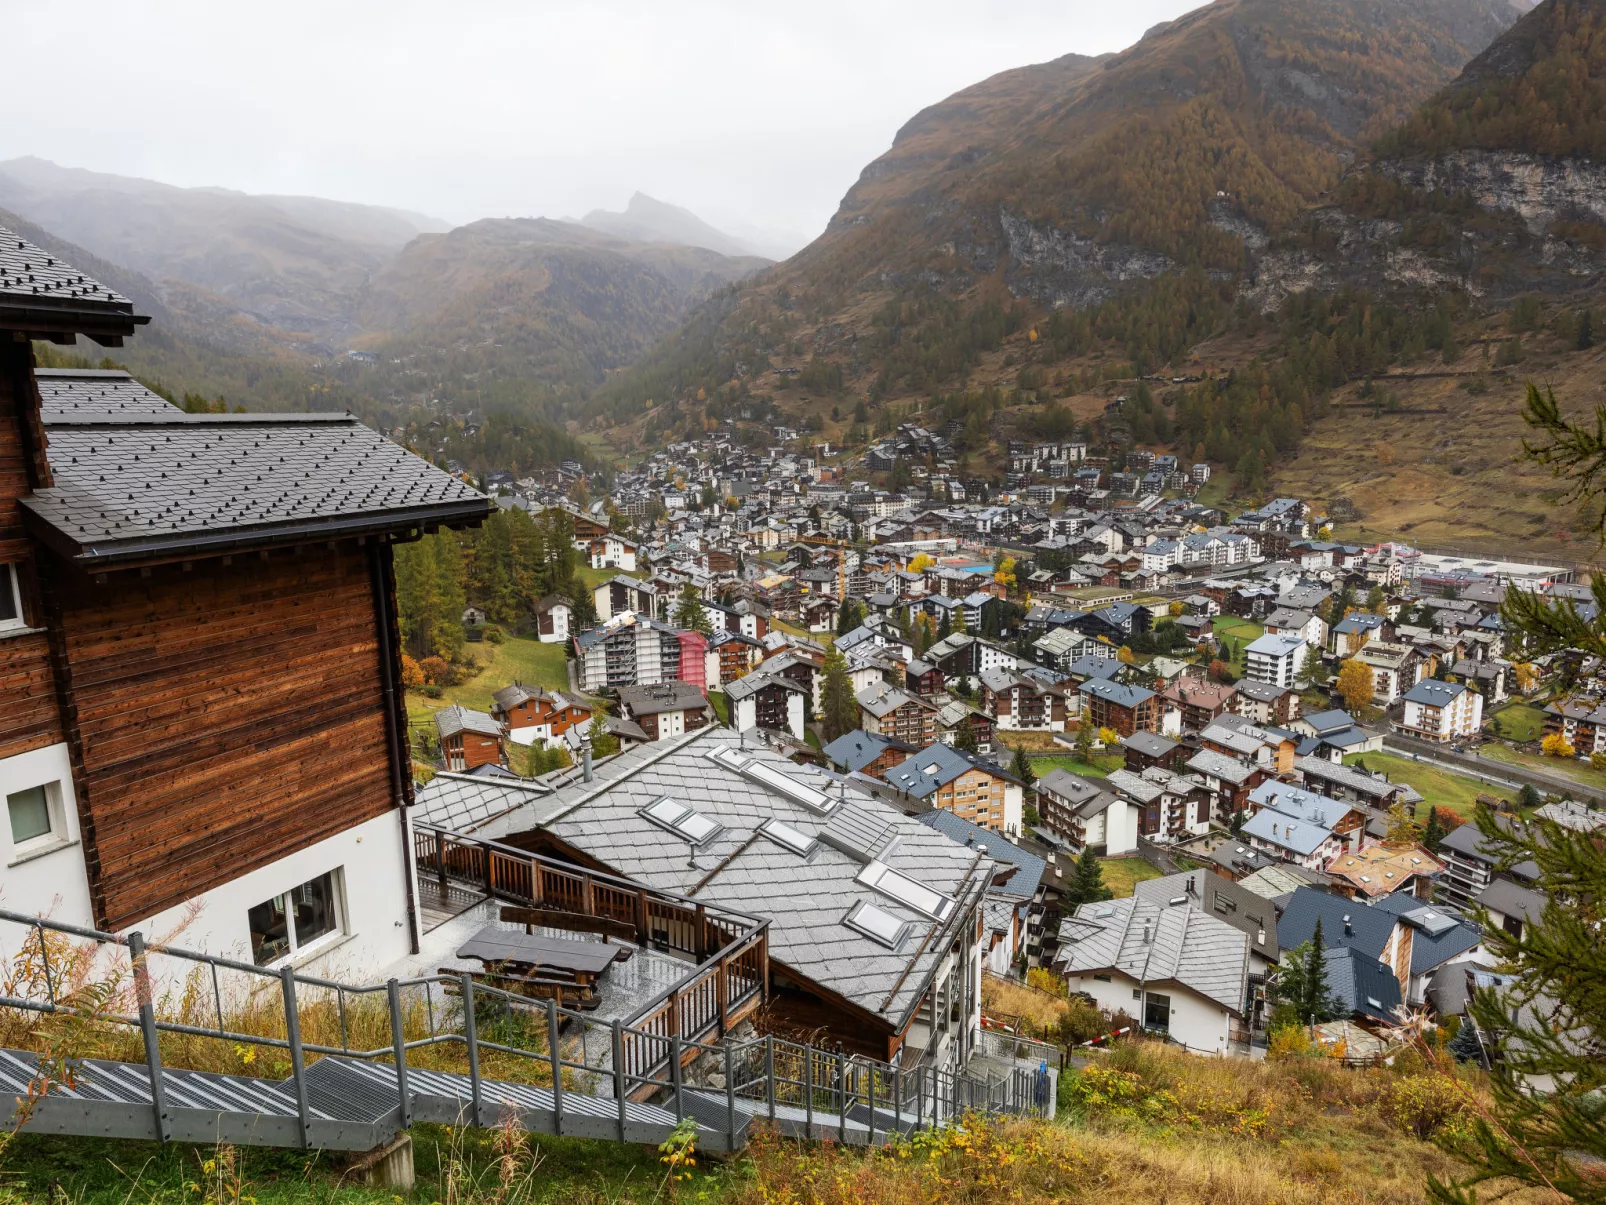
point(1433, 832)
point(1021, 767)
point(690, 614)
point(1087, 881)
point(839, 710)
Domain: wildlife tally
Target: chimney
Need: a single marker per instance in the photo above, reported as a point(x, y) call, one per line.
point(1349, 930)
point(1148, 932)
point(585, 759)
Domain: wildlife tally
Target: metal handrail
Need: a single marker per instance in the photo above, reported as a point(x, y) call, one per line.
point(845, 1085)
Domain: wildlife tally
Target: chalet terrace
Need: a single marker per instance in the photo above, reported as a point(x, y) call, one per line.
point(204, 682)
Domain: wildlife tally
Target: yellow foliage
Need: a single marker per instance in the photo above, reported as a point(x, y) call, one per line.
point(1045, 980)
point(1109, 736)
point(1557, 745)
point(1354, 684)
point(921, 563)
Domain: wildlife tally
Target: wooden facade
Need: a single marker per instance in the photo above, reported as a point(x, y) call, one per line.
point(32, 717)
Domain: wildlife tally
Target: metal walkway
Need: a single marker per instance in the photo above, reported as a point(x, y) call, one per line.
point(637, 1086)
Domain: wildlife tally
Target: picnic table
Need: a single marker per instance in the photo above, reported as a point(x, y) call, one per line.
point(541, 959)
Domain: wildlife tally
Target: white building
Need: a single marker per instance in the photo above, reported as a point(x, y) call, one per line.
point(1441, 711)
point(1173, 968)
point(1275, 659)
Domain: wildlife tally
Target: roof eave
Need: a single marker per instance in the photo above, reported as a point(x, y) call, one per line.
point(63, 323)
point(121, 554)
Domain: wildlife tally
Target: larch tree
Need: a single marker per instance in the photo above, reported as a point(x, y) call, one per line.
point(839, 710)
point(1355, 685)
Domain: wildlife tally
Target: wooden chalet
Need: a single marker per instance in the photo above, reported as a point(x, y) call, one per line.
point(202, 682)
point(469, 739)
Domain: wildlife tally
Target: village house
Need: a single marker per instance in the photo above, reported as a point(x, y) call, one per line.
point(1379, 870)
point(268, 685)
point(770, 701)
point(1581, 720)
point(1266, 703)
point(1441, 711)
point(633, 649)
point(1395, 669)
point(613, 551)
point(974, 789)
point(666, 709)
point(1301, 826)
point(1171, 806)
point(860, 752)
point(1174, 969)
point(554, 619)
point(469, 739)
point(1120, 708)
point(1198, 700)
point(888, 711)
point(1017, 702)
point(1277, 660)
point(875, 933)
point(1086, 814)
point(531, 715)
point(621, 595)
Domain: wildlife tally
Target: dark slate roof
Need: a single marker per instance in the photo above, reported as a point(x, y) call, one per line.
point(49, 299)
point(1370, 927)
point(147, 485)
point(1223, 899)
point(449, 721)
point(1362, 984)
point(937, 765)
point(1150, 744)
point(1117, 694)
point(1512, 899)
point(1433, 693)
point(1025, 868)
point(855, 750)
point(463, 802)
point(1440, 933)
point(660, 697)
point(69, 392)
point(806, 899)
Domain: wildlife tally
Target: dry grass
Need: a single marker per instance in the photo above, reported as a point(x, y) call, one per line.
point(1006, 998)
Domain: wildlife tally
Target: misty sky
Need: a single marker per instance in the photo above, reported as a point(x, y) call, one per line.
point(753, 115)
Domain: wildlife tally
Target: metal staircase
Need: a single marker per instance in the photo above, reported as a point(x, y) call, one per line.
point(621, 1084)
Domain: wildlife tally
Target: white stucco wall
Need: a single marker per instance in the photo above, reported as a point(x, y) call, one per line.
point(1199, 1024)
point(48, 879)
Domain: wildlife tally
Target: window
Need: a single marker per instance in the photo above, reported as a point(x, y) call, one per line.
point(877, 924)
point(10, 599)
point(788, 837)
point(881, 877)
point(684, 822)
point(286, 924)
point(35, 816)
point(1157, 1011)
point(1102, 979)
point(767, 775)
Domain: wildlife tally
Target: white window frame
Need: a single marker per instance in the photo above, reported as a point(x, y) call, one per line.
point(58, 836)
point(11, 583)
point(297, 951)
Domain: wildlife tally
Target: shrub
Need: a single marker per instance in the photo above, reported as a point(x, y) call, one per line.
point(435, 670)
point(1429, 1105)
point(1557, 745)
point(412, 676)
point(1082, 1022)
point(1045, 980)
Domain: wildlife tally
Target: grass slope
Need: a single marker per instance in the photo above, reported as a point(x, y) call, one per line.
point(1440, 787)
point(1122, 875)
point(515, 659)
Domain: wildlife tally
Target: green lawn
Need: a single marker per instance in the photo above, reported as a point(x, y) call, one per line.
point(1121, 875)
point(1239, 635)
point(1519, 721)
point(1099, 767)
point(722, 706)
point(1214, 492)
point(1440, 787)
point(595, 577)
point(1578, 771)
point(515, 659)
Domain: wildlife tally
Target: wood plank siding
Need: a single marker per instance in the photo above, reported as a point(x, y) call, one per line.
point(30, 718)
point(226, 716)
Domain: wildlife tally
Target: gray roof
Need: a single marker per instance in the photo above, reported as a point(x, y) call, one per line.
point(806, 899)
point(1150, 744)
point(1359, 781)
point(936, 766)
point(1116, 693)
point(1362, 984)
point(855, 750)
point(1089, 798)
point(464, 803)
point(1369, 928)
point(1024, 868)
point(751, 684)
point(133, 485)
point(1433, 693)
point(64, 392)
point(41, 294)
point(1219, 765)
point(449, 721)
point(1185, 947)
point(1222, 898)
point(1280, 879)
point(1441, 934)
point(661, 696)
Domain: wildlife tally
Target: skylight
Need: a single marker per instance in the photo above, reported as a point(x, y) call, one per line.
point(686, 823)
point(765, 774)
point(877, 924)
point(788, 837)
point(880, 877)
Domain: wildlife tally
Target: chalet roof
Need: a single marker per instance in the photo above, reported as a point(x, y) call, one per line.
point(65, 392)
point(44, 297)
point(1089, 798)
point(806, 897)
point(136, 486)
point(751, 684)
point(936, 766)
point(1219, 765)
point(663, 696)
point(1023, 868)
point(1228, 901)
point(1359, 983)
point(1156, 944)
point(449, 721)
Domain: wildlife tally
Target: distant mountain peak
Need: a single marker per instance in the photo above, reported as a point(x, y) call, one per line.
point(648, 220)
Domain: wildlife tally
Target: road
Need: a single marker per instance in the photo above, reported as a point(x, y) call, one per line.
point(1495, 773)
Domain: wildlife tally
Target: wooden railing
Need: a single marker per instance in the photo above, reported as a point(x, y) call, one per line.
point(731, 949)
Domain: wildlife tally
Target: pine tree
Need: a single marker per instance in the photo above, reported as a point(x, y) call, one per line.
point(1021, 767)
point(839, 710)
point(1551, 1027)
point(946, 628)
point(1433, 833)
point(690, 615)
point(1087, 881)
point(1300, 990)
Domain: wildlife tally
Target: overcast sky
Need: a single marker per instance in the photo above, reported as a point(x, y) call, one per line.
point(753, 115)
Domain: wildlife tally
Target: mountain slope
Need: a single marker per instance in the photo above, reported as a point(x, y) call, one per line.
point(1079, 180)
point(645, 220)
